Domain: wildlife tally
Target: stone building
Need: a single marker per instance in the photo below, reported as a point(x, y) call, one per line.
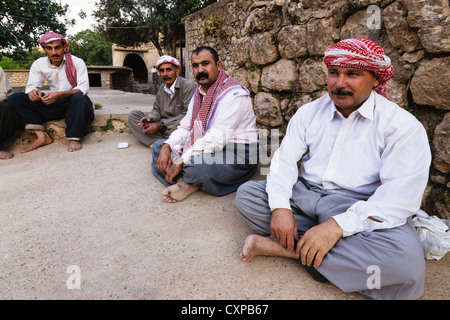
point(141, 59)
point(275, 48)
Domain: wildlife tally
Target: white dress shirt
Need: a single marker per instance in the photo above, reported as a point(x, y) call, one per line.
point(42, 69)
point(170, 91)
point(233, 121)
point(380, 151)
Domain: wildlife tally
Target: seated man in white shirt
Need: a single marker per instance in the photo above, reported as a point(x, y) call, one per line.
point(214, 149)
point(69, 84)
point(364, 167)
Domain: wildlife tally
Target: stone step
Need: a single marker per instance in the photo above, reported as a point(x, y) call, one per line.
point(117, 123)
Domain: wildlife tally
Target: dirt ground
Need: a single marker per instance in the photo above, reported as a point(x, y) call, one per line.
point(100, 210)
point(92, 225)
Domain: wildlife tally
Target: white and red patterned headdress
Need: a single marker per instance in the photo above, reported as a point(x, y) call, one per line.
point(167, 59)
point(71, 72)
point(362, 53)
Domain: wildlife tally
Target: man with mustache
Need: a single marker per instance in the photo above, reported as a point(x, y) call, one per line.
point(214, 149)
point(170, 105)
point(364, 168)
point(69, 85)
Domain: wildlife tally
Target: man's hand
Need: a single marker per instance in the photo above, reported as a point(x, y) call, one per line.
point(145, 121)
point(283, 227)
point(152, 128)
point(317, 241)
point(164, 160)
point(51, 97)
point(174, 170)
point(35, 95)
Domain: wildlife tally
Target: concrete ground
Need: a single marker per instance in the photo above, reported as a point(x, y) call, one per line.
point(92, 225)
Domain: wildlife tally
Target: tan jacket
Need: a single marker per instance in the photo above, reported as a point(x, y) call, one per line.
point(172, 110)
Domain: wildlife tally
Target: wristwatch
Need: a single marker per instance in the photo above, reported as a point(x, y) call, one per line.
point(163, 127)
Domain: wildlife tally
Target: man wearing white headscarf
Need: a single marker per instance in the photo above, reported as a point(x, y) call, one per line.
point(170, 106)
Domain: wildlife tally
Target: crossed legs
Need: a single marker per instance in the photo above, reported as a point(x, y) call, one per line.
point(396, 253)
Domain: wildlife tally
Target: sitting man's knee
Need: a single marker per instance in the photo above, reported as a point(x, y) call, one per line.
point(248, 191)
point(79, 99)
point(135, 114)
point(18, 96)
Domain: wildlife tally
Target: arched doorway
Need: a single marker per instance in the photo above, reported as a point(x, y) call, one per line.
point(136, 63)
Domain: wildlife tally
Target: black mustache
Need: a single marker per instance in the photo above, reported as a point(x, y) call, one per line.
point(202, 75)
point(341, 92)
point(55, 56)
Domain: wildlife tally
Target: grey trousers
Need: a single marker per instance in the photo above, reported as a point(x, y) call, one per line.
point(381, 264)
point(134, 119)
point(234, 166)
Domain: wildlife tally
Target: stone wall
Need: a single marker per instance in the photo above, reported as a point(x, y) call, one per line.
point(18, 78)
point(275, 48)
point(118, 78)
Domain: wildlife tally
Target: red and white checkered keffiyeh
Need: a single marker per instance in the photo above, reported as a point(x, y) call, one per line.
point(71, 72)
point(167, 59)
point(362, 53)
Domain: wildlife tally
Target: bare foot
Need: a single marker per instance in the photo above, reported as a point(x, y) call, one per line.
point(42, 139)
point(178, 191)
point(264, 246)
point(74, 145)
point(6, 154)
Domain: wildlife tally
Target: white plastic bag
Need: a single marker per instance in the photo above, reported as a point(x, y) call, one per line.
point(434, 234)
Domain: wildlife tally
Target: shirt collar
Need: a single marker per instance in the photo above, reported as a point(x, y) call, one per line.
point(201, 91)
point(54, 67)
point(365, 110)
point(171, 90)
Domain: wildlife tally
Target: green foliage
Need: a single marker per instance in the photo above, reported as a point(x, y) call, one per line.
point(275, 38)
point(50, 132)
point(92, 47)
point(30, 57)
point(24, 63)
point(109, 124)
point(214, 26)
point(8, 63)
point(136, 22)
point(22, 23)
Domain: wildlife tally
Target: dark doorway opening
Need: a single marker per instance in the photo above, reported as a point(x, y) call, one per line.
point(95, 80)
point(136, 63)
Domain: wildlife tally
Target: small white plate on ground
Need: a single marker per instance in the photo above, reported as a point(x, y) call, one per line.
point(122, 145)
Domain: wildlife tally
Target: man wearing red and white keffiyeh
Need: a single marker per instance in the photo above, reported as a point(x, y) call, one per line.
point(364, 54)
point(214, 147)
point(69, 84)
point(346, 214)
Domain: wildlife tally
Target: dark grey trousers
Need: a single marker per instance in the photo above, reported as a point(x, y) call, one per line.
point(381, 264)
point(217, 174)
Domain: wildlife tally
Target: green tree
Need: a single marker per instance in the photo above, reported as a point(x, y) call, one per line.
point(25, 62)
point(135, 22)
point(31, 56)
point(22, 23)
point(92, 47)
point(9, 63)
